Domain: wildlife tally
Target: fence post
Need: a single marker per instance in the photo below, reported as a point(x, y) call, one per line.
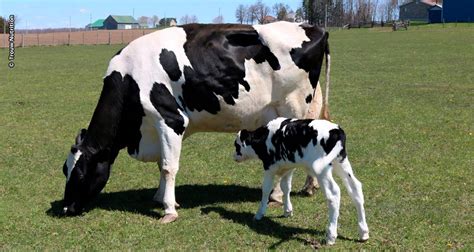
point(83, 38)
point(69, 39)
point(53, 39)
point(38, 38)
point(109, 37)
point(23, 40)
point(122, 37)
point(97, 41)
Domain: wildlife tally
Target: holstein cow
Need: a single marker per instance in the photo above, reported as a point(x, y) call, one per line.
point(316, 145)
point(169, 84)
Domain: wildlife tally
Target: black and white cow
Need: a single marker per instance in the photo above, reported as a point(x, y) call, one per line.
point(316, 145)
point(169, 84)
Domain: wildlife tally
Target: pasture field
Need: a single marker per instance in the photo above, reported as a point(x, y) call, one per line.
point(405, 99)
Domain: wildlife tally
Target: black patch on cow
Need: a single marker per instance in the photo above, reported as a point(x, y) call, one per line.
point(217, 54)
point(309, 98)
point(291, 138)
point(166, 105)
point(310, 55)
point(117, 118)
point(170, 64)
point(65, 169)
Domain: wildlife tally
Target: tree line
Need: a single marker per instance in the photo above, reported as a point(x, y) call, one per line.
point(324, 12)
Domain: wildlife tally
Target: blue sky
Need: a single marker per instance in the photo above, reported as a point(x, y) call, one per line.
point(54, 14)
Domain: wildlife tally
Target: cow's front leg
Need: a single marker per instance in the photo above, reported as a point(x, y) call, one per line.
point(169, 162)
point(160, 193)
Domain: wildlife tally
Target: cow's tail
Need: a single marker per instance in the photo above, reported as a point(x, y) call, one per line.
point(325, 106)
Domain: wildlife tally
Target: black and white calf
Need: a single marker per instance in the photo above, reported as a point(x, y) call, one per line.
point(317, 145)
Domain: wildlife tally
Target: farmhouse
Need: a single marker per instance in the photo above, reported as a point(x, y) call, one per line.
point(114, 22)
point(458, 11)
point(97, 25)
point(417, 10)
point(168, 22)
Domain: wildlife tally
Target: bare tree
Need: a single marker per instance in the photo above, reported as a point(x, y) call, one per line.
point(218, 20)
point(261, 11)
point(240, 13)
point(251, 14)
point(188, 19)
point(143, 20)
point(154, 20)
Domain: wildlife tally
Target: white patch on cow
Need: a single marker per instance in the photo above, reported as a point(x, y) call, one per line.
point(71, 162)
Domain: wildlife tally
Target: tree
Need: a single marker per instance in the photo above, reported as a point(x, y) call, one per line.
point(188, 19)
point(3, 25)
point(240, 13)
point(143, 20)
point(218, 20)
point(261, 11)
point(154, 20)
point(251, 14)
point(281, 11)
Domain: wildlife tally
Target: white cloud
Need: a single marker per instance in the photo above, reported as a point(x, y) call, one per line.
point(83, 10)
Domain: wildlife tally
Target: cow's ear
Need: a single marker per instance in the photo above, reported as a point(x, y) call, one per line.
point(80, 136)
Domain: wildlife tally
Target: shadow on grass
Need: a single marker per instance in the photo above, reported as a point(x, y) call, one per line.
point(188, 196)
point(267, 226)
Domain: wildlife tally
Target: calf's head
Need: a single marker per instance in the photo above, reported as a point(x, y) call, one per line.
point(86, 175)
point(243, 146)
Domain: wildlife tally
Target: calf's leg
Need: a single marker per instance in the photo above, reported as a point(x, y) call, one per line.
point(266, 189)
point(333, 196)
point(354, 188)
point(286, 187)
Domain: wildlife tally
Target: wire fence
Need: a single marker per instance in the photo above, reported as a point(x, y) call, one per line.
point(96, 37)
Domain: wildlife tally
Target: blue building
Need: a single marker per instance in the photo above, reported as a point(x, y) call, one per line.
point(458, 10)
point(435, 14)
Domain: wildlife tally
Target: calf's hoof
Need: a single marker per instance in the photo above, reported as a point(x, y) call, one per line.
point(168, 218)
point(288, 214)
point(363, 237)
point(330, 241)
point(257, 217)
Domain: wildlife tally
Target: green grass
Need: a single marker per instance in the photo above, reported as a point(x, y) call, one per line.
point(404, 98)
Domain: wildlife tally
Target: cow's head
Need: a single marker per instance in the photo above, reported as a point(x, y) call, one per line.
point(86, 175)
point(243, 147)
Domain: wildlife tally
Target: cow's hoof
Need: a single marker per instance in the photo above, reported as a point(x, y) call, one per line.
point(257, 217)
point(288, 214)
point(168, 218)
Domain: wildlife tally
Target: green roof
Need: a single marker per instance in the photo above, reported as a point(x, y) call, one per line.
point(99, 23)
point(124, 19)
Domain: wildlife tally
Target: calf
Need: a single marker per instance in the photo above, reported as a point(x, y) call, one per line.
point(317, 145)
